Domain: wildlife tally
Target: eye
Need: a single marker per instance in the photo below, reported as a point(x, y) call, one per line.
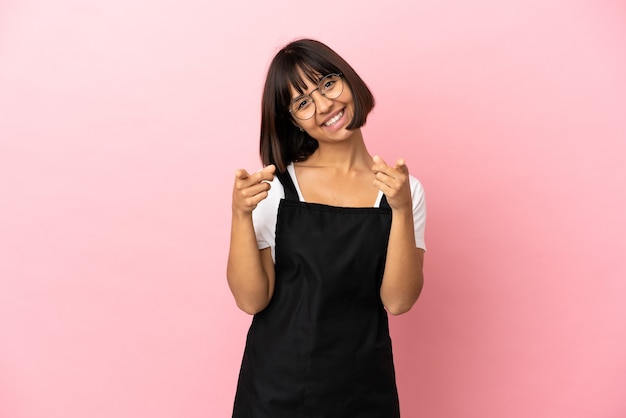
point(301, 103)
point(328, 84)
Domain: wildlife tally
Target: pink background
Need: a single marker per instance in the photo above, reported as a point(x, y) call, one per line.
point(122, 123)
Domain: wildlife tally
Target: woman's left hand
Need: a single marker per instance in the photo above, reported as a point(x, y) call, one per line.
point(403, 277)
point(394, 183)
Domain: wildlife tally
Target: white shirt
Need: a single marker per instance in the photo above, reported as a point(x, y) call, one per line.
point(264, 217)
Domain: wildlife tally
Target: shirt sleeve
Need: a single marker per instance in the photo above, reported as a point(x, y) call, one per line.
point(264, 216)
point(419, 212)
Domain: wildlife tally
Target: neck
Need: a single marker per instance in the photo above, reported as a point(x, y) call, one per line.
point(343, 155)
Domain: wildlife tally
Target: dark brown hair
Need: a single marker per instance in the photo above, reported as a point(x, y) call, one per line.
point(282, 142)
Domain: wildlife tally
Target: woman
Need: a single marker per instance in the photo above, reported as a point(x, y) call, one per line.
point(325, 240)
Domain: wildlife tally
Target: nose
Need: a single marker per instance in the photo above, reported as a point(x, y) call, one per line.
point(322, 103)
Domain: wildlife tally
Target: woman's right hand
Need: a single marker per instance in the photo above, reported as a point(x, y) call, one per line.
point(250, 189)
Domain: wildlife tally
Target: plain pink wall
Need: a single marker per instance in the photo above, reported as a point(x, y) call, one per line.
point(122, 123)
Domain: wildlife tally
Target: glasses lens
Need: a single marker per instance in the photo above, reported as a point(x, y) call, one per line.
point(303, 107)
point(331, 86)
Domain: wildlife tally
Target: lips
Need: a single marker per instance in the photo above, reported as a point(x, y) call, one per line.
point(334, 119)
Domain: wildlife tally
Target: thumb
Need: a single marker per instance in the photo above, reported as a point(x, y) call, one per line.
point(378, 160)
point(241, 174)
point(271, 168)
point(401, 166)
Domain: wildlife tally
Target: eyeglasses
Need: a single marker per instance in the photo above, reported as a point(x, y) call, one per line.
point(331, 87)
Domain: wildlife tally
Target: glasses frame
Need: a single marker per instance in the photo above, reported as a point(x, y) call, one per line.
point(319, 88)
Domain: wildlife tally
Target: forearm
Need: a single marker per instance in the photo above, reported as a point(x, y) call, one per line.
point(250, 275)
point(403, 277)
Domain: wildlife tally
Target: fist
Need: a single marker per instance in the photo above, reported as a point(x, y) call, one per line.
point(250, 189)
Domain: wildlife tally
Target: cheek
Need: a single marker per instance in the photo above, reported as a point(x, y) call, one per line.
point(347, 98)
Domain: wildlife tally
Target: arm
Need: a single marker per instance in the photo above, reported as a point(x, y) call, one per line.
point(403, 277)
point(250, 271)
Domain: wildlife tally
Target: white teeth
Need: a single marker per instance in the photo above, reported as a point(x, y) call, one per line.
point(334, 120)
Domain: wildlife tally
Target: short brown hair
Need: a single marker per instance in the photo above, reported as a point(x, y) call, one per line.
point(282, 142)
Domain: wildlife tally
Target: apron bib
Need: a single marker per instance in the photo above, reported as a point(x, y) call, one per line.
point(321, 348)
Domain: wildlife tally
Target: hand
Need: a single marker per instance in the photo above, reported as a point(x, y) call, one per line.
point(394, 183)
point(250, 189)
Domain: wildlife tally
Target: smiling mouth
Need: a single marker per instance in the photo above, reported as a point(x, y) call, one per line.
point(334, 120)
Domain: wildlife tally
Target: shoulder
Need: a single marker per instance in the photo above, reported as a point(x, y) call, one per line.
point(267, 208)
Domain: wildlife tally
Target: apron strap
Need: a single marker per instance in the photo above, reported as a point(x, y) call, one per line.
point(384, 203)
point(290, 189)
